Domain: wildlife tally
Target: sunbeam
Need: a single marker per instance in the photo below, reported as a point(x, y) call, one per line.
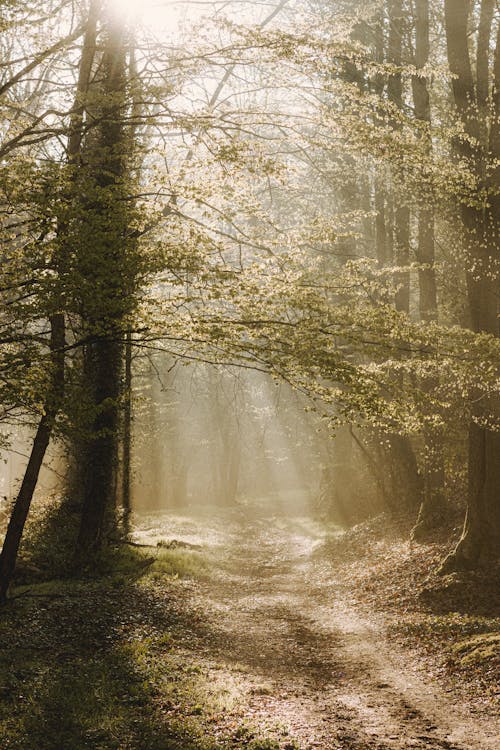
point(160, 15)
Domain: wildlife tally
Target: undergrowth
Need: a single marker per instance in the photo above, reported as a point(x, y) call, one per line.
point(99, 661)
point(453, 620)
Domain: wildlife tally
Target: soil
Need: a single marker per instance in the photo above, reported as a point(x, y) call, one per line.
point(286, 631)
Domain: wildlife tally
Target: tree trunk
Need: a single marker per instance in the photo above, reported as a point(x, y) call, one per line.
point(15, 529)
point(127, 435)
point(107, 300)
point(406, 482)
point(432, 507)
point(393, 246)
point(137, 106)
point(480, 539)
point(100, 451)
point(380, 224)
point(401, 211)
point(402, 257)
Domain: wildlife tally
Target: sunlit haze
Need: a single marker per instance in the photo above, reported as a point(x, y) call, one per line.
point(162, 15)
point(249, 374)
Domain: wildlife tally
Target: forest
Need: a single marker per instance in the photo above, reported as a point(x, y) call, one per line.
point(249, 375)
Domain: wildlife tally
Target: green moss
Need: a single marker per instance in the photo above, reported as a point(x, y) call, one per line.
point(478, 649)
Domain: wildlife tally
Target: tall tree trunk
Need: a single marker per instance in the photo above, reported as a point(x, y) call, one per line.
point(380, 223)
point(481, 534)
point(136, 113)
point(107, 302)
point(482, 66)
point(432, 507)
point(100, 452)
point(402, 480)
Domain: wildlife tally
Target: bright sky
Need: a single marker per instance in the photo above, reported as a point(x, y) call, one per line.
point(158, 14)
point(164, 16)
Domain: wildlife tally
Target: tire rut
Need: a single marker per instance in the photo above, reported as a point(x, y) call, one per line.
point(330, 674)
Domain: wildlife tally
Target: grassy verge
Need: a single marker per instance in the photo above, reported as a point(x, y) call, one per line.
point(110, 662)
point(453, 620)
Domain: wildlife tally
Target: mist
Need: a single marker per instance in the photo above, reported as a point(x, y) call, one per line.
point(249, 374)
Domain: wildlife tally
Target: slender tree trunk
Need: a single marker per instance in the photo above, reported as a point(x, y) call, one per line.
point(380, 224)
point(401, 210)
point(483, 64)
point(432, 507)
point(426, 258)
point(136, 113)
point(20, 511)
point(402, 479)
point(15, 529)
point(402, 256)
point(8, 556)
point(127, 435)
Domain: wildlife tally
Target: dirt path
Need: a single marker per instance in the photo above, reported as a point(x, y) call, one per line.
point(279, 618)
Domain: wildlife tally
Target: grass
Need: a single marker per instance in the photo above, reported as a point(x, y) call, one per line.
point(179, 563)
point(109, 661)
point(49, 542)
point(69, 679)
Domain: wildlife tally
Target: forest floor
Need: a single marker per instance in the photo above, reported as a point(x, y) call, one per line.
point(258, 633)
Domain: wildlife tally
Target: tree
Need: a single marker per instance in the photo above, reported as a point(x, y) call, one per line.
point(479, 148)
point(106, 262)
point(56, 318)
point(432, 507)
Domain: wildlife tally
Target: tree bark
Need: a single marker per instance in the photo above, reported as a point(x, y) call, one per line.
point(100, 451)
point(480, 539)
point(432, 507)
point(107, 302)
point(403, 481)
point(127, 435)
point(401, 210)
point(20, 511)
